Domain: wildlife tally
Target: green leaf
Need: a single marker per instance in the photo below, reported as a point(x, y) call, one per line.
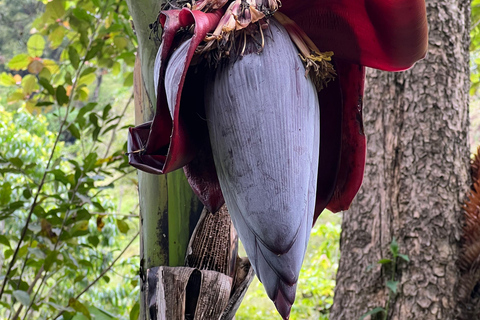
point(5, 193)
point(90, 161)
point(74, 131)
point(122, 226)
point(120, 42)
point(22, 296)
point(371, 312)
point(82, 14)
point(73, 56)
point(4, 241)
point(46, 84)
point(50, 260)
point(93, 51)
point(128, 80)
point(19, 62)
point(100, 314)
point(94, 241)
point(35, 45)
point(16, 161)
point(61, 95)
point(7, 79)
point(135, 312)
point(392, 285)
point(384, 261)
point(87, 79)
point(56, 37)
point(55, 9)
point(404, 257)
point(394, 247)
point(28, 84)
point(88, 71)
point(43, 104)
point(79, 307)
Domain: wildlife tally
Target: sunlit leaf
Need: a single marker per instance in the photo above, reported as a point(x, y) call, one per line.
point(35, 45)
point(7, 79)
point(120, 42)
point(28, 84)
point(19, 62)
point(122, 226)
point(55, 9)
point(128, 80)
point(56, 37)
point(135, 312)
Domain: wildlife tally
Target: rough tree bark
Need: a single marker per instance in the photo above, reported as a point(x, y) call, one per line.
point(415, 180)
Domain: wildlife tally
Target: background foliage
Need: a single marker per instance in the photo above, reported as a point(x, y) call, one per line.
point(68, 203)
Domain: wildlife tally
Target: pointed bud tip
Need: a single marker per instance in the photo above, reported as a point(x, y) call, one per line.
point(283, 305)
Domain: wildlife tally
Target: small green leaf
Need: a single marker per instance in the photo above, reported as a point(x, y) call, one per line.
point(22, 296)
point(94, 241)
point(371, 312)
point(135, 312)
point(35, 45)
point(55, 9)
point(394, 247)
point(19, 62)
point(74, 131)
point(44, 104)
point(46, 84)
point(90, 161)
point(122, 226)
point(17, 162)
point(61, 95)
point(56, 36)
point(79, 307)
point(88, 71)
point(28, 84)
point(5, 193)
point(384, 261)
point(128, 80)
point(404, 257)
point(82, 14)
point(4, 241)
point(7, 79)
point(50, 260)
point(73, 56)
point(392, 285)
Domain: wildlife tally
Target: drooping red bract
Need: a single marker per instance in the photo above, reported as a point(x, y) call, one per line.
point(386, 34)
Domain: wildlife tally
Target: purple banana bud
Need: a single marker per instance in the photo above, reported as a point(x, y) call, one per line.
point(264, 125)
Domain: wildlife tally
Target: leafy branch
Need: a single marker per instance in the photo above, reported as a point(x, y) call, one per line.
point(391, 284)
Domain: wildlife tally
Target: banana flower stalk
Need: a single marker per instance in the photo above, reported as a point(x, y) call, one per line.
point(260, 102)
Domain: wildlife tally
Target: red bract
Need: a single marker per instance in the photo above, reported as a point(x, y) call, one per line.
point(385, 34)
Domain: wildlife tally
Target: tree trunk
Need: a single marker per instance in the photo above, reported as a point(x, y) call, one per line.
point(416, 178)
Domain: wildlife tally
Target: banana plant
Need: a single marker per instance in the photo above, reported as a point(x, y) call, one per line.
point(260, 102)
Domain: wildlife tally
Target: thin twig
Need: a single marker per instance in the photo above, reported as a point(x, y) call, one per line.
point(114, 131)
point(101, 274)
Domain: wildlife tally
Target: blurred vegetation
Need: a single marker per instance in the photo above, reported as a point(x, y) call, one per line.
point(68, 203)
